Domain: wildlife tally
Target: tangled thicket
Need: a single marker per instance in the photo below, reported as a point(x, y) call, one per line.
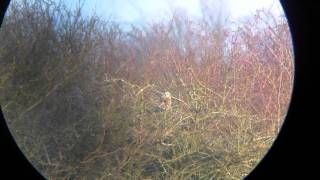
point(78, 93)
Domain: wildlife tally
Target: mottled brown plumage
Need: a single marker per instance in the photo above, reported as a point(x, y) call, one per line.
point(165, 103)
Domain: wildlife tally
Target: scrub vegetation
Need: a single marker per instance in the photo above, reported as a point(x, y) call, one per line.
point(79, 93)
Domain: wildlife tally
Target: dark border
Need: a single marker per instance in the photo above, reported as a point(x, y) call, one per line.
point(290, 153)
point(13, 163)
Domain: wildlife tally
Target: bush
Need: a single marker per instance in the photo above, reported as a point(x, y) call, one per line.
point(80, 95)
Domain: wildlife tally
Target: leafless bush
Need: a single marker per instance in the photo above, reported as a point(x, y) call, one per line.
point(79, 93)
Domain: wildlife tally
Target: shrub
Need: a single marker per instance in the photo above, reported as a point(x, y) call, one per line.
point(80, 95)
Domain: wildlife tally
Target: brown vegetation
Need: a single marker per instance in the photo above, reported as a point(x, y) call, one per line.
point(79, 93)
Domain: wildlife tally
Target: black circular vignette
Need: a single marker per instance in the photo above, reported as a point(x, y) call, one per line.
point(289, 154)
point(14, 164)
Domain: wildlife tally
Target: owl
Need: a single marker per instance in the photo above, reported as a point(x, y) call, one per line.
point(165, 101)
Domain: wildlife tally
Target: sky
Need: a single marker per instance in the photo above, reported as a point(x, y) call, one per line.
point(240, 8)
point(131, 11)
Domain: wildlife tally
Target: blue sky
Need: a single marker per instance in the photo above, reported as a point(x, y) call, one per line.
point(133, 11)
